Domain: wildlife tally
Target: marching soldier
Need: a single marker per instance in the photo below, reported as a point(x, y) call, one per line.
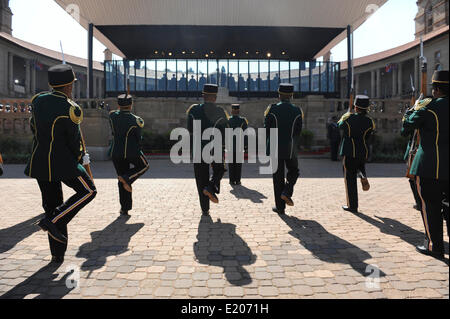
point(430, 165)
point(126, 150)
point(288, 119)
point(357, 127)
point(236, 121)
point(58, 157)
point(209, 115)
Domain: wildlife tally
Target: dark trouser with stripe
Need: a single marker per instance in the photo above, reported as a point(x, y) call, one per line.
point(235, 172)
point(435, 201)
point(353, 166)
point(52, 197)
point(413, 184)
point(140, 166)
point(62, 213)
point(202, 178)
point(285, 184)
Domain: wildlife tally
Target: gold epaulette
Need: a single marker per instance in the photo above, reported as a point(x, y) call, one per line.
point(345, 116)
point(140, 122)
point(190, 108)
point(267, 110)
point(420, 104)
point(227, 115)
point(246, 121)
point(75, 112)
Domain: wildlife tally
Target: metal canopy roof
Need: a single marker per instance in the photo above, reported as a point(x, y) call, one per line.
point(304, 29)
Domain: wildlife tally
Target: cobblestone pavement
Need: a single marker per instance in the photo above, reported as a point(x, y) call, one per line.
point(166, 249)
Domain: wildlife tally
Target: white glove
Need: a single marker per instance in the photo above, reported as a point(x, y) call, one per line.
point(86, 159)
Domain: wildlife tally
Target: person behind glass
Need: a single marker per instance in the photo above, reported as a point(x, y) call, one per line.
point(357, 128)
point(430, 165)
point(236, 121)
point(208, 115)
point(59, 156)
point(334, 136)
point(126, 150)
point(288, 120)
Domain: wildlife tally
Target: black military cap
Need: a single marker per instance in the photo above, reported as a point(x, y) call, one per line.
point(61, 75)
point(236, 106)
point(286, 88)
point(440, 77)
point(362, 102)
point(210, 89)
point(124, 100)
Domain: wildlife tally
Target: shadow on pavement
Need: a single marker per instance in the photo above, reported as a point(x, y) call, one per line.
point(218, 244)
point(242, 192)
point(328, 247)
point(393, 227)
point(111, 241)
point(42, 284)
point(10, 237)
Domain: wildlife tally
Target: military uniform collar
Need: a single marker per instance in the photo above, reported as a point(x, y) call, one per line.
point(59, 93)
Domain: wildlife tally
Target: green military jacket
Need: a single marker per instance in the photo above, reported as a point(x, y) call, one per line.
point(357, 130)
point(57, 144)
point(127, 134)
point(210, 116)
point(288, 119)
point(430, 118)
point(237, 121)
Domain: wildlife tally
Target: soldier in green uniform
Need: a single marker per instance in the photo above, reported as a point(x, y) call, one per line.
point(126, 150)
point(208, 115)
point(236, 121)
point(357, 128)
point(288, 120)
point(58, 156)
point(430, 165)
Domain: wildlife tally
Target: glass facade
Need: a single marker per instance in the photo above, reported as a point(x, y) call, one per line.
point(243, 78)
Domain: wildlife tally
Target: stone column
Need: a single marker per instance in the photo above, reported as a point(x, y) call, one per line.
point(357, 84)
point(78, 90)
point(28, 78)
point(400, 80)
point(33, 79)
point(11, 73)
point(394, 82)
point(372, 84)
point(378, 83)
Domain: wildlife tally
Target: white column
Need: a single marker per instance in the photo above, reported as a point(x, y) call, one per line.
point(357, 84)
point(33, 79)
point(394, 82)
point(28, 78)
point(399, 79)
point(11, 73)
point(372, 84)
point(378, 83)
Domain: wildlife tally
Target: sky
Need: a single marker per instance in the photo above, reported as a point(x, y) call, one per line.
point(45, 23)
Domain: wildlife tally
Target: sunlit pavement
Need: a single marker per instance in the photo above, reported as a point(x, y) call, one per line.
point(166, 249)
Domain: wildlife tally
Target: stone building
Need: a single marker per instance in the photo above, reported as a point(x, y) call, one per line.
point(432, 15)
point(24, 66)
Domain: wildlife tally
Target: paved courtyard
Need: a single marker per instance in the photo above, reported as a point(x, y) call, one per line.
point(166, 249)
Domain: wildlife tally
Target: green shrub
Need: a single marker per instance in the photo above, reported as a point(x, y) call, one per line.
point(388, 152)
point(13, 151)
point(156, 143)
